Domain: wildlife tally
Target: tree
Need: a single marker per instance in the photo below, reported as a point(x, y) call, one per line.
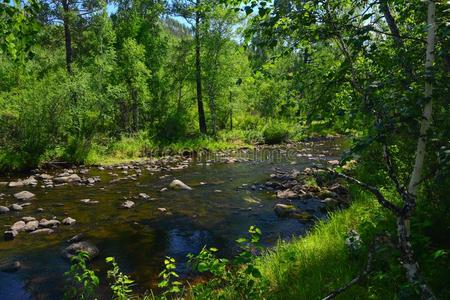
point(69, 13)
point(135, 74)
point(381, 64)
point(194, 12)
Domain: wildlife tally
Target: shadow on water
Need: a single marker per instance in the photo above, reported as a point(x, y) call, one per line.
point(212, 214)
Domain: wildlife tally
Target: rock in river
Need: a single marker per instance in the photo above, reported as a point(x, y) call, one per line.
point(18, 183)
point(43, 231)
point(127, 204)
point(287, 194)
point(284, 210)
point(68, 221)
point(87, 247)
point(49, 223)
point(24, 195)
point(18, 226)
point(3, 209)
point(10, 235)
point(31, 226)
point(16, 207)
point(10, 267)
point(179, 185)
point(67, 179)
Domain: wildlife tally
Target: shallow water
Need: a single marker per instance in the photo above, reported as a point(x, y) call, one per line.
point(214, 214)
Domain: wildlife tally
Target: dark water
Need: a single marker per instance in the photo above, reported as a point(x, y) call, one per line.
point(140, 238)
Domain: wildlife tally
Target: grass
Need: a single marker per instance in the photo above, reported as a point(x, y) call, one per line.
point(313, 266)
point(139, 147)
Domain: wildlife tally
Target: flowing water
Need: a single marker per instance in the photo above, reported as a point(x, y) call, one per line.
point(212, 214)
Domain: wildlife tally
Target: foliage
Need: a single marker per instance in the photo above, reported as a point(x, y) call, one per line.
point(81, 281)
point(276, 132)
point(171, 287)
point(241, 272)
point(120, 283)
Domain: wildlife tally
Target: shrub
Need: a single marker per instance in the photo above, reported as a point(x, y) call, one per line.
point(276, 133)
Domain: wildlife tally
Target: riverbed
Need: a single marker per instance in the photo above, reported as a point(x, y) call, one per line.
point(224, 202)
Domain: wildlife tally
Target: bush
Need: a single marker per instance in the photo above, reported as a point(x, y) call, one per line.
point(276, 133)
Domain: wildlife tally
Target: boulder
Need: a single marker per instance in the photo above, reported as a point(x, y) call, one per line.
point(162, 209)
point(30, 181)
point(45, 176)
point(301, 216)
point(330, 203)
point(3, 209)
point(76, 238)
point(284, 210)
point(87, 247)
point(28, 219)
point(16, 207)
point(323, 194)
point(43, 231)
point(10, 267)
point(18, 226)
point(69, 221)
point(67, 179)
point(31, 226)
point(179, 185)
point(10, 235)
point(49, 223)
point(24, 195)
point(144, 196)
point(127, 204)
point(18, 183)
point(287, 194)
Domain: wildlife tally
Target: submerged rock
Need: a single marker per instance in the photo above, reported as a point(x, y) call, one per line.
point(179, 185)
point(330, 203)
point(10, 235)
point(24, 195)
point(89, 201)
point(284, 210)
point(87, 247)
point(75, 238)
point(10, 267)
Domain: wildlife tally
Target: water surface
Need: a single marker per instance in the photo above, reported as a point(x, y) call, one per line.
point(212, 214)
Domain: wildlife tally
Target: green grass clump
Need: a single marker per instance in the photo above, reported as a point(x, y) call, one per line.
point(276, 133)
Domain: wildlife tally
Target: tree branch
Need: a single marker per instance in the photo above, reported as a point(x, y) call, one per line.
point(376, 192)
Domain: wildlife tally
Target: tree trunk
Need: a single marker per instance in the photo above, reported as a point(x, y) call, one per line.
point(67, 36)
point(408, 261)
point(391, 23)
point(427, 110)
point(231, 111)
point(198, 71)
point(212, 107)
point(134, 96)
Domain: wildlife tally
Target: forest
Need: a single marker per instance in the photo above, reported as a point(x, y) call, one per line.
point(249, 149)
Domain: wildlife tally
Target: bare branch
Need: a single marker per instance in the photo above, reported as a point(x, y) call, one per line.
point(376, 192)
